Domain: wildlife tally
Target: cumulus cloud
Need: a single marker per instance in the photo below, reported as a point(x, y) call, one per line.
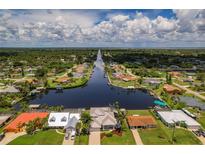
point(88, 27)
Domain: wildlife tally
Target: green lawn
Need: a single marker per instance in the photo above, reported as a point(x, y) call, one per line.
point(163, 135)
point(138, 112)
point(5, 110)
point(75, 82)
point(200, 118)
point(181, 82)
point(81, 140)
point(120, 83)
point(49, 137)
point(126, 139)
point(1, 129)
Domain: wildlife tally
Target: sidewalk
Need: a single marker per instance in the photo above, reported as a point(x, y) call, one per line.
point(10, 137)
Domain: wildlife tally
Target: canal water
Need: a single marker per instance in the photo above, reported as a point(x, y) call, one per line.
point(97, 93)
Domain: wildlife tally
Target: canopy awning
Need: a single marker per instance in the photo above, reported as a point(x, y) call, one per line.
point(160, 103)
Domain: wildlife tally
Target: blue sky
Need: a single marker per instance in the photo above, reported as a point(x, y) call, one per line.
point(102, 28)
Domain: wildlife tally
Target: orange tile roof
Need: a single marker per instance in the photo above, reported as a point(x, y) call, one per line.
point(22, 119)
point(31, 80)
point(138, 121)
point(62, 79)
point(175, 74)
point(170, 88)
point(80, 68)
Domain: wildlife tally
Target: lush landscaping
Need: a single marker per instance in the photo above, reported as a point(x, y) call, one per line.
point(200, 115)
point(49, 137)
point(201, 119)
point(163, 135)
point(81, 140)
point(120, 83)
point(126, 138)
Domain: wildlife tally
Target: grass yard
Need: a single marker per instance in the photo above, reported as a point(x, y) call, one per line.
point(120, 83)
point(49, 137)
point(126, 138)
point(200, 117)
point(75, 82)
point(81, 140)
point(163, 135)
point(138, 112)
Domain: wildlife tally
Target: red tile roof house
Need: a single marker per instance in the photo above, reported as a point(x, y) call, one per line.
point(141, 122)
point(23, 118)
point(63, 79)
point(171, 89)
point(175, 74)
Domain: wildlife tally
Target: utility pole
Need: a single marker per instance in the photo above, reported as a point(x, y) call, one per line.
point(173, 131)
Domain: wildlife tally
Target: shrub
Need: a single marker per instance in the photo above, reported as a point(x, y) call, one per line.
point(109, 134)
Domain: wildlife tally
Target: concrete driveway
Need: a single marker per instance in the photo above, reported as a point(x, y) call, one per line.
point(136, 136)
point(68, 142)
point(202, 139)
point(94, 138)
point(10, 136)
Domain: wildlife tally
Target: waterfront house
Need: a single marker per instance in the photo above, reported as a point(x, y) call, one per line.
point(77, 75)
point(4, 119)
point(136, 121)
point(63, 79)
point(171, 89)
point(103, 119)
point(176, 117)
point(79, 68)
point(17, 124)
point(152, 82)
point(9, 89)
point(175, 74)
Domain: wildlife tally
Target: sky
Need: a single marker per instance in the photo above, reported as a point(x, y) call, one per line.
point(102, 28)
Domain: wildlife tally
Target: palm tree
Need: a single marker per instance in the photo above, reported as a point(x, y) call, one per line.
point(120, 114)
point(30, 127)
point(78, 128)
point(86, 120)
point(24, 106)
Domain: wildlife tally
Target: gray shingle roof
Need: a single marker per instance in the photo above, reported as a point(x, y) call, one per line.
point(71, 123)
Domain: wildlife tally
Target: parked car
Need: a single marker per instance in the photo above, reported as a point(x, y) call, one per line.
point(2, 135)
point(197, 133)
point(72, 135)
point(67, 135)
point(203, 133)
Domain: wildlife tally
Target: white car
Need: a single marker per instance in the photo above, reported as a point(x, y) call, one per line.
point(72, 135)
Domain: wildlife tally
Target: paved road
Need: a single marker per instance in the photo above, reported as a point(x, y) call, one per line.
point(94, 138)
point(136, 136)
point(190, 91)
point(10, 137)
